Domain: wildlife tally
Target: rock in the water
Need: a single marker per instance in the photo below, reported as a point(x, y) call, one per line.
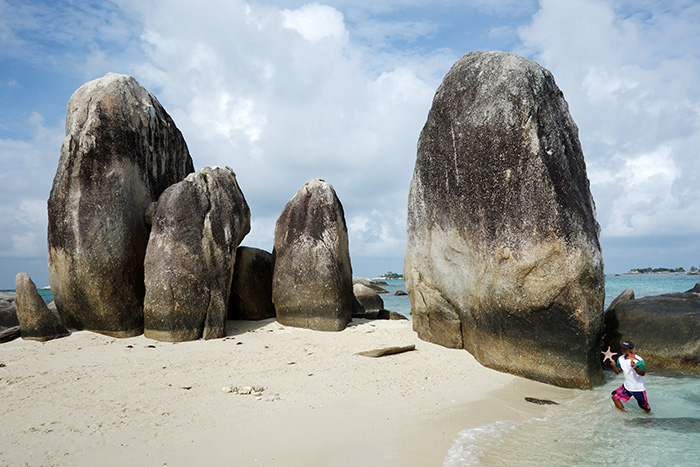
point(121, 151)
point(312, 280)
point(534, 400)
point(400, 293)
point(251, 289)
point(8, 310)
point(503, 257)
point(665, 330)
point(370, 300)
point(36, 321)
point(197, 226)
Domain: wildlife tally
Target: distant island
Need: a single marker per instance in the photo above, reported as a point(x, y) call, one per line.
point(390, 275)
point(693, 271)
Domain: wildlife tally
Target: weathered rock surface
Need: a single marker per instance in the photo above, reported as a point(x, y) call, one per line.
point(503, 257)
point(121, 151)
point(370, 300)
point(8, 310)
point(665, 329)
point(251, 288)
point(36, 321)
point(312, 280)
point(197, 226)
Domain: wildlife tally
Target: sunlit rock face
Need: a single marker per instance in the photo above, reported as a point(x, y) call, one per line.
point(197, 225)
point(312, 278)
point(503, 257)
point(121, 151)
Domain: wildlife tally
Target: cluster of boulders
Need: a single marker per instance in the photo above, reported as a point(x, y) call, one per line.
point(665, 327)
point(140, 243)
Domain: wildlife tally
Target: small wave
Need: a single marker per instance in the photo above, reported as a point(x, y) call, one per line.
point(473, 443)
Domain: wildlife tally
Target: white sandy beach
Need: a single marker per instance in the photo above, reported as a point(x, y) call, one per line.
point(89, 399)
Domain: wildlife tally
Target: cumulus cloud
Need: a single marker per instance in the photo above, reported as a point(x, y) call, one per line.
point(27, 164)
point(283, 96)
point(629, 72)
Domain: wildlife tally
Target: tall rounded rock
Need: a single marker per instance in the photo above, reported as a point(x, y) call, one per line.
point(36, 321)
point(503, 256)
point(251, 288)
point(312, 279)
point(197, 226)
point(121, 151)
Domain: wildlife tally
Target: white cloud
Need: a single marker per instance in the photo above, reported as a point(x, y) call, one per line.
point(635, 96)
point(316, 22)
point(28, 170)
point(283, 96)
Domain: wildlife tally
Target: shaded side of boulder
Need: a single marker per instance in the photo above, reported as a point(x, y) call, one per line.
point(121, 151)
point(312, 280)
point(665, 330)
point(35, 319)
point(251, 288)
point(503, 249)
point(8, 310)
point(370, 300)
point(197, 226)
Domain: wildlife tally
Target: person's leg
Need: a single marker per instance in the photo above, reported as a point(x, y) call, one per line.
point(642, 401)
point(618, 395)
point(618, 403)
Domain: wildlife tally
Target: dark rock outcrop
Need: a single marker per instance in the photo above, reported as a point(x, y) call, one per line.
point(8, 310)
point(121, 151)
point(370, 300)
point(503, 257)
point(36, 321)
point(197, 226)
point(312, 280)
point(251, 289)
point(665, 329)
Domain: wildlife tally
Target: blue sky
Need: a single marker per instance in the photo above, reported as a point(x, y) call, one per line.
point(286, 91)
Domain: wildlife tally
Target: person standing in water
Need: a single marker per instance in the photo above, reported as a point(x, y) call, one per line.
point(632, 365)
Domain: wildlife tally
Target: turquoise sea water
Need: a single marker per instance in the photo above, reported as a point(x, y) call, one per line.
point(642, 284)
point(587, 429)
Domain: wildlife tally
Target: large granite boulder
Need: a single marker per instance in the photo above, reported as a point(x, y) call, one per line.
point(665, 329)
point(8, 310)
point(251, 288)
point(368, 297)
point(121, 151)
point(312, 279)
point(36, 321)
point(197, 225)
point(503, 257)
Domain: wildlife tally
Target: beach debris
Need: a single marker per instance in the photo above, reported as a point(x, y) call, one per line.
point(540, 401)
point(255, 391)
point(387, 351)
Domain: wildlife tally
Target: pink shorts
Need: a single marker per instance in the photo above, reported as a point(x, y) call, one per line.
point(624, 395)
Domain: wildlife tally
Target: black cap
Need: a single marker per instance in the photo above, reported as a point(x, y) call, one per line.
point(626, 345)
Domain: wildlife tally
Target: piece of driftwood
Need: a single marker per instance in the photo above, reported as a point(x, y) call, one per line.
point(387, 351)
point(10, 334)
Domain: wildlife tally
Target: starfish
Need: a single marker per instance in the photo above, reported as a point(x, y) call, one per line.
point(608, 354)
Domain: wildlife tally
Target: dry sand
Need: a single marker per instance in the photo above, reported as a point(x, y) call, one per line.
point(88, 399)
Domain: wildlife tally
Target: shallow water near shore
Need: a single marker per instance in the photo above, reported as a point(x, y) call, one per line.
point(588, 430)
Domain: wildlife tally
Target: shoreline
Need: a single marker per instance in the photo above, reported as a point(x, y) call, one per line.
point(88, 398)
